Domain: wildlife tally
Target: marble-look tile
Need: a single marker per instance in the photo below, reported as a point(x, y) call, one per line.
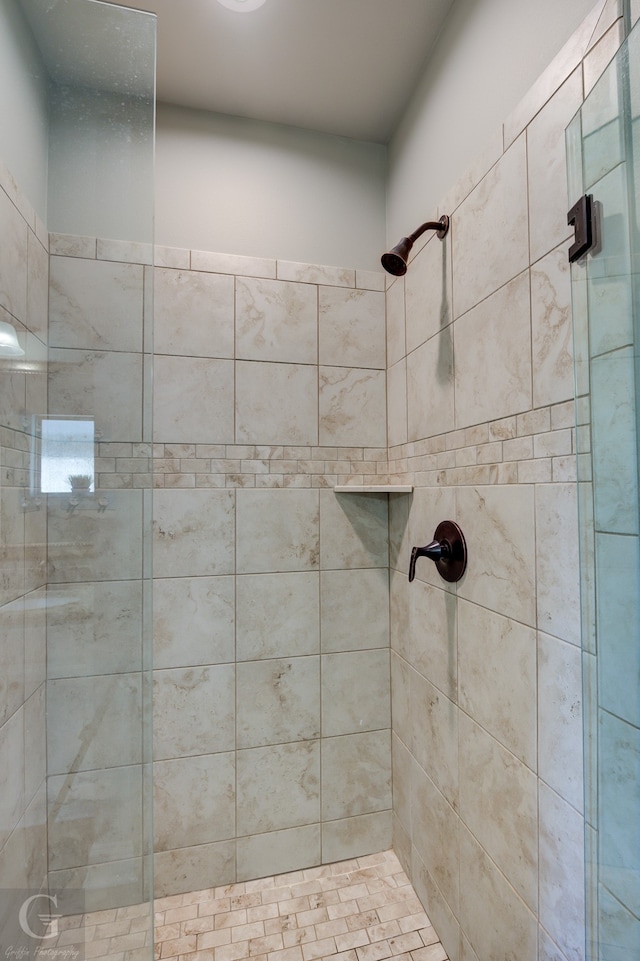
point(355, 692)
point(396, 338)
point(265, 413)
point(37, 318)
point(351, 328)
point(439, 912)
point(560, 718)
point(501, 198)
point(435, 827)
point(552, 349)
point(397, 424)
point(498, 524)
point(316, 274)
point(433, 721)
point(276, 321)
point(278, 701)
point(356, 774)
point(194, 532)
point(562, 908)
point(353, 531)
point(104, 727)
point(619, 802)
point(11, 658)
point(193, 400)
point(401, 676)
point(178, 258)
point(35, 745)
point(193, 621)
point(401, 763)
point(277, 615)
point(488, 153)
point(125, 251)
point(35, 641)
point(601, 53)
point(430, 387)
point(371, 280)
point(278, 530)
point(232, 264)
point(279, 852)
point(618, 927)
point(193, 711)
point(558, 586)
point(35, 838)
point(101, 885)
point(345, 394)
point(493, 356)
point(194, 801)
point(356, 836)
point(613, 435)
point(103, 385)
point(546, 163)
point(499, 804)
point(72, 245)
point(12, 548)
point(278, 787)
point(192, 869)
point(193, 313)
point(94, 816)
point(92, 545)
point(94, 628)
point(354, 610)
point(12, 765)
point(95, 305)
point(609, 288)
point(618, 613)
point(497, 681)
point(501, 923)
point(428, 292)
point(13, 259)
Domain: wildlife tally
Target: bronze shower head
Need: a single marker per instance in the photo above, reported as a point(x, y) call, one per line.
point(395, 261)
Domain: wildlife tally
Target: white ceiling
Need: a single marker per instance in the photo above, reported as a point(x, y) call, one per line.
point(343, 67)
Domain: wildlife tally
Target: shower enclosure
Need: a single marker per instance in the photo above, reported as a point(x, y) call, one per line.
point(603, 151)
point(75, 488)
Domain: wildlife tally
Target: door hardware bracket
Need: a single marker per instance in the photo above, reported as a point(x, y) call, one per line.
point(581, 217)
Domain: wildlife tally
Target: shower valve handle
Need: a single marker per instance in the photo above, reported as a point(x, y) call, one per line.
point(435, 550)
point(448, 550)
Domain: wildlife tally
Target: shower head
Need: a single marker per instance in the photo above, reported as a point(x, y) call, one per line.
point(395, 261)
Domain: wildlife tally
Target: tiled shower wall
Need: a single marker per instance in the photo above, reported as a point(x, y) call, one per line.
point(23, 303)
point(486, 673)
point(271, 700)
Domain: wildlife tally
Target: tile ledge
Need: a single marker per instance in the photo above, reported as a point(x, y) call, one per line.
point(373, 488)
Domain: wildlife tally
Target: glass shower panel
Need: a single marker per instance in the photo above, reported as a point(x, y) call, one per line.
point(96, 456)
point(602, 159)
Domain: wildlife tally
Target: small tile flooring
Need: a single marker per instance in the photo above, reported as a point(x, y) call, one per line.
point(359, 910)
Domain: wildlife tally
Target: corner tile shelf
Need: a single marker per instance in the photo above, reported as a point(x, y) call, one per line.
point(373, 488)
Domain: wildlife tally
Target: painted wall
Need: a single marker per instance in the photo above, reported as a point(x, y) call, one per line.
point(265, 190)
point(23, 106)
point(488, 55)
point(486, 673)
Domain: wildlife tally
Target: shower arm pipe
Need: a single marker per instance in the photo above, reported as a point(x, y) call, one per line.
point(441, 226)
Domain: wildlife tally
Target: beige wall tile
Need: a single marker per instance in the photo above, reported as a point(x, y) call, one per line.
point(355, 692)
point(193, 621)
point(278, 787)
point(264, 412)
point(351, 328)
point(194, 711)
point(278, 615)
point(430, 379)
point(262, 855)
point(354, 609)
point(208, 782)
point(193, 400)
point(193, 313)
point(552, 349)
point(397, 403)
point(493, 356)
point(435, 827)
point(560, 718)
point(434, 735)
point(191, 869)
point(428, 292)
point(277, 529)
point(278, 700)
point(353, 531)
point(356, 774)
point(497, 682)
point(193, 532)
point(345, 393)
point(356, 836)
point(484, 256)
point(276, 321)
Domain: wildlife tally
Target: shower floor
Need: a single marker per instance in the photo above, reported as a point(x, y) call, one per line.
point(359, 910)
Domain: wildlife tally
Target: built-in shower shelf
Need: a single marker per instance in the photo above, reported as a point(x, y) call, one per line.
point(373, 488)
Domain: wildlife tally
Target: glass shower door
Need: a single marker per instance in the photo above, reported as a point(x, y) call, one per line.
point(603, 157)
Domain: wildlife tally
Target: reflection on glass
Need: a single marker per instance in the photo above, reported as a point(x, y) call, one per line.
point(67, 454)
